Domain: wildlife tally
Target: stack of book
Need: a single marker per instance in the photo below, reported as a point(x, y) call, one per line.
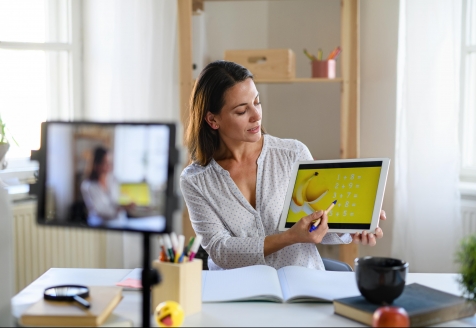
point(424, 305)
point(103, 300)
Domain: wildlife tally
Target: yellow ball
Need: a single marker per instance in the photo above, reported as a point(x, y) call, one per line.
point(169, 314)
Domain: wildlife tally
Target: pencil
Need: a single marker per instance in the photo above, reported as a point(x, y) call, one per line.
point(314, 226)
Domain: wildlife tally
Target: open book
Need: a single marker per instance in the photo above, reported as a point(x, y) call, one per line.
point(286, 285)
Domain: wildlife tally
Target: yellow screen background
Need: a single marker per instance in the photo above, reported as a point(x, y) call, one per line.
point(137, 193)
point(353, 188)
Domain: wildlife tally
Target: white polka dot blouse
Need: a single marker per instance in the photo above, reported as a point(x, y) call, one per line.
point(233, 231)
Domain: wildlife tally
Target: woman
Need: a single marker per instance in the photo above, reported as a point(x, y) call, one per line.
point(101, 192)
point(236, 185)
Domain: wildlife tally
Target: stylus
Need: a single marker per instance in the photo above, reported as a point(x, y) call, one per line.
point(316, 224)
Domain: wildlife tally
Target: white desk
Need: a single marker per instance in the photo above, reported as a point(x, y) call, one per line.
point(222, 314)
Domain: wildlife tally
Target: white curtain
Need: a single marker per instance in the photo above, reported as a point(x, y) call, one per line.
point(130, 60)
point(130, 74)
point(427, 226)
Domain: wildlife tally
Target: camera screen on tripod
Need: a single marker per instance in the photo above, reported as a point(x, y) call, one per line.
point(107, 175)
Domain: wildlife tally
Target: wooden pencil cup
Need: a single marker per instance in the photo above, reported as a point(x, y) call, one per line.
point(181, 282)
point(324, 68)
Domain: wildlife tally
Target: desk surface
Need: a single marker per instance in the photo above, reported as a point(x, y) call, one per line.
point(222, 314)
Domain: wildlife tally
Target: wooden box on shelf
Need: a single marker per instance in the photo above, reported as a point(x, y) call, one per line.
point(266, 64)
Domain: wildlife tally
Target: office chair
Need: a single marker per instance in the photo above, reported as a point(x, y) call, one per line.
point(329, 264)
point(335, 265)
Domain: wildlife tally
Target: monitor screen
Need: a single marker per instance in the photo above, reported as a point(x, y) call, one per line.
point(116, 176)
point(353, 185)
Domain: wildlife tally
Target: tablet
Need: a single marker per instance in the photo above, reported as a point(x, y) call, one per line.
point(357, 185)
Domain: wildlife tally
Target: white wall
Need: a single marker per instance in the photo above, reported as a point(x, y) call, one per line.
point(7, 273)
point(234, 25)
point(378, 81)
point(294, 24)
point(309, 112)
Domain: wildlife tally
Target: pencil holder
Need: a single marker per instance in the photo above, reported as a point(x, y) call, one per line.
point(324, 68)
point(181, 282)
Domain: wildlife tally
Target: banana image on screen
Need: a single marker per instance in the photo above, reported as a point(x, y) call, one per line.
point(307, 194)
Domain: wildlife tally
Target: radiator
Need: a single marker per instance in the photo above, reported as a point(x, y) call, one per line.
point(39, 248)
point(468, 215)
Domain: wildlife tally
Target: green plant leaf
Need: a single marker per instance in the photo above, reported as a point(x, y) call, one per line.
point(466, 257)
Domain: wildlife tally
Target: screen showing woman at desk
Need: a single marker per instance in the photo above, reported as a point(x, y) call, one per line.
point(101, 192)
point(107, 175)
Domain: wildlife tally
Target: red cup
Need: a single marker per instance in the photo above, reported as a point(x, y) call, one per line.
point(324, 68)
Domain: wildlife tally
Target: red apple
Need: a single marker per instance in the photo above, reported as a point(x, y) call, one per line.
point(390, 316)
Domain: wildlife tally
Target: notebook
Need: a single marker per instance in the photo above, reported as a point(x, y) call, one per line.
point(424, 305)
point(103, 300)
point(286, 285)
point(133, 280)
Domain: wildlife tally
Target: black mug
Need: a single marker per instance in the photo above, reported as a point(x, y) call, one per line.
point(380, 279)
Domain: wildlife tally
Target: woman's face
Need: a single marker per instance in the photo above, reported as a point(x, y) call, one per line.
point(106, 165)
point(240, 117)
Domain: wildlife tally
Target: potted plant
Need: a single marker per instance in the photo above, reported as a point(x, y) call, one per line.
point(4, 144)
point(466, 257)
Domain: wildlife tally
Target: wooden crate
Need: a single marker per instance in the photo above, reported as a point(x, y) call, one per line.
point(266, 64)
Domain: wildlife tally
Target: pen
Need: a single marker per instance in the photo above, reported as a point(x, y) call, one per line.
point(195, 246)
point(337, 53)
point(314, 226)
point(189, 246)
point(168, 246)
point(311, 57)
point(179, 251)
point(334, 53)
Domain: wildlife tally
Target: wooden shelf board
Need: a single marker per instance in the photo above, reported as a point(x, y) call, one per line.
point(301, 80)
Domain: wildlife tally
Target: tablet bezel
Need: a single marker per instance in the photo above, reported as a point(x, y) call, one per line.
point(378, 197)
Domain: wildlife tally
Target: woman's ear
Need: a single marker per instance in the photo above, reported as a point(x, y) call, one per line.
point(210, 118)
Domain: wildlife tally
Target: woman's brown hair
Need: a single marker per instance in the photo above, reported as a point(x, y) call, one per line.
point(208, 95)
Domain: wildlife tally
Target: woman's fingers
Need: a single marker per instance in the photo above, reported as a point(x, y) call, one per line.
point(378, 232)
point(364, 238)
point(383, 215)
point(312, 217)
point(321, 230)
point(372, 241)
point(367, 238)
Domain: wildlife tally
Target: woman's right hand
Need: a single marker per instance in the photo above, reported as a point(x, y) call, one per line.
point(299, 232)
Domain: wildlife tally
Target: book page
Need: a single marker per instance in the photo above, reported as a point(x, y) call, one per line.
point(300, 284)
point(257, 282)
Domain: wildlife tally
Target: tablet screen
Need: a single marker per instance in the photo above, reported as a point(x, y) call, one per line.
point(353, 184)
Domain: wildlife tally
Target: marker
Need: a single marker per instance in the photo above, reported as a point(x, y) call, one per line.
point(314, 226)
point(168, 246)
point(174, 240)
point(195, 246)
point(189, 246)
point(163, 253)
point(179, 250)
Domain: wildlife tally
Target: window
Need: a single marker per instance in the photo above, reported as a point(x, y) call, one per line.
point(468, 92)
point(39, 66)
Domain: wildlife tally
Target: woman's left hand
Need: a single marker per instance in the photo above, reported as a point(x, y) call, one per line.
point(368, 238)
